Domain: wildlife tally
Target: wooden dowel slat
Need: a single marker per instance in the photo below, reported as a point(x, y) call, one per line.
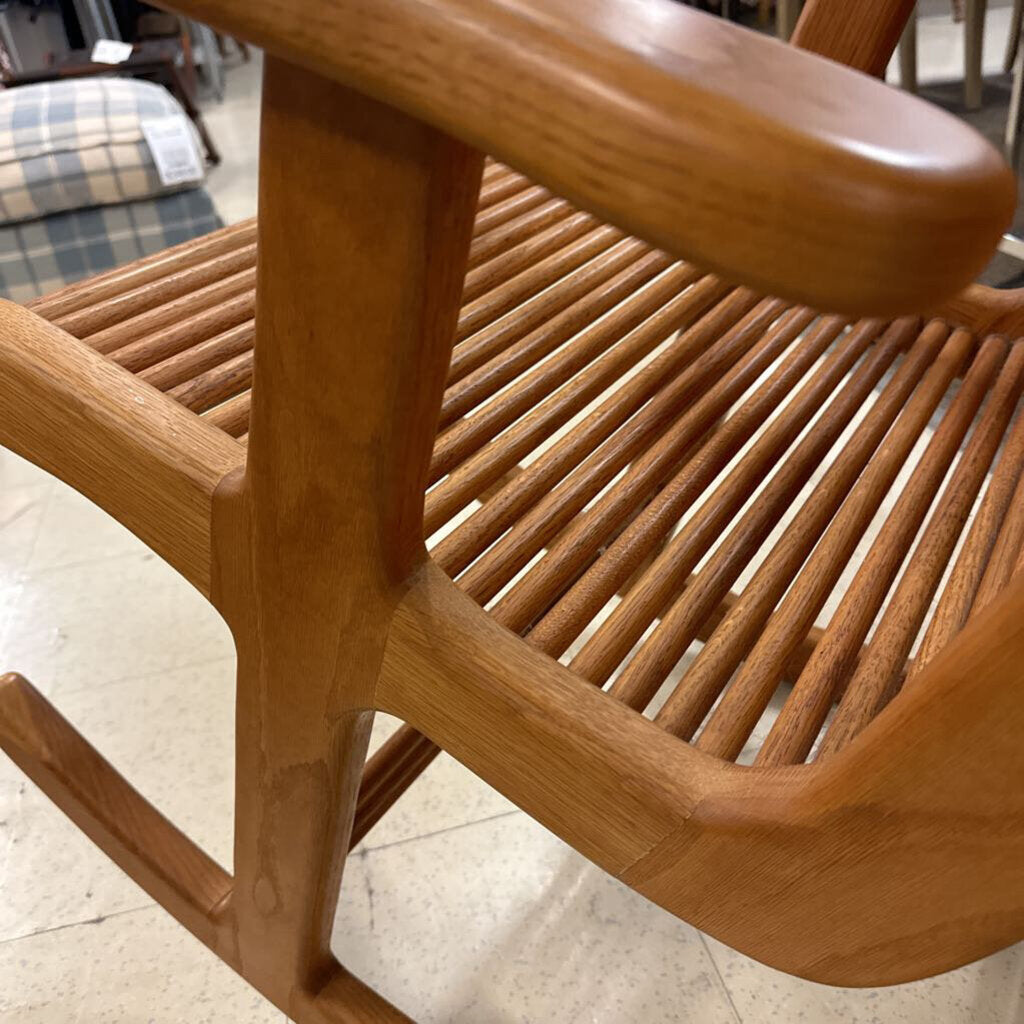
point(661, 580)
point(731, 723)
point(111, 283)
point(117, 337)
point(1006, 553)
point(536, 311)
point(688, 704)
point(500, 213)
point(687, 616)
point(476, 387)
point(492, 168)
point(232, 416)
point(95, 318)
point(712, 348)
point(197, 359)
point(624, 555)
point(932, 554)
point(215, 385)
point(510, 293)
point(398, 762)
point(524, 254)
point(501, 186)
point(469, 435)
point(881, 666)
point(804, 711)
point(503, 237)
point(704, 392)
point(470, 479)
point(959, 597)
point(207, 323)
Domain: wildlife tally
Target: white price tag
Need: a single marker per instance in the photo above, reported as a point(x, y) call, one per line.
point(174, 152)
point(111, 51)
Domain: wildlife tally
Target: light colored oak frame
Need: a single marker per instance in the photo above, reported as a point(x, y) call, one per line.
point(900, 856)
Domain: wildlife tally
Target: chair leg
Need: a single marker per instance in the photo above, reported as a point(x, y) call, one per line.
point(908, 54)
point(1013, 117)
point(786, 14)
point(169, 866)
point(974, 39)
point(1013, 36)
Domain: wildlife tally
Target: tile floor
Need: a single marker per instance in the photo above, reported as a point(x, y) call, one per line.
point(458, 907)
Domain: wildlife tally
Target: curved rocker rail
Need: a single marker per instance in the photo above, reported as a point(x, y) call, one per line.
point(126, 827)
point(180, 876)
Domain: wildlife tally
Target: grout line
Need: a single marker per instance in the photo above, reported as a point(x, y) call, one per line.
point(98, 919)
point(718, 972)
point(21, 576)
point(59, 692)
point(362, 849)
point(143, 553)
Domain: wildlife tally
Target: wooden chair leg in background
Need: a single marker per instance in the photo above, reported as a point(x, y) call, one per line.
point(786, 14)
point(908, 54)
point(974, 42)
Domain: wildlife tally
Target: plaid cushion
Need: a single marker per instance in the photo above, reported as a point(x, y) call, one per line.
point(64, 145)
point(45, 254)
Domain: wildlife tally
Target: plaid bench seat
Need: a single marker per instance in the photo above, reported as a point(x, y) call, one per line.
point(79, 188)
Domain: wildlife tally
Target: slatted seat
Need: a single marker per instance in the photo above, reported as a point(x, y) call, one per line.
point(788, 538)
point(616, 409)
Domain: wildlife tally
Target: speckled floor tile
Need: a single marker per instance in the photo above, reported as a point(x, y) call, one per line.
point(501, 922)
point(139, 967)
point(51, 875)
point(92, 623)
point(74, 530)
point(17, 472)
point(990, 991)
point(22, 511)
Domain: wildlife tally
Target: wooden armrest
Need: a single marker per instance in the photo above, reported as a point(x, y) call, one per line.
point(772, 166)
point(138, 454)
point(912, 837)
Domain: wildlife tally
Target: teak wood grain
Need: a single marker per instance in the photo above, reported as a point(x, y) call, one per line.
point(409, 334)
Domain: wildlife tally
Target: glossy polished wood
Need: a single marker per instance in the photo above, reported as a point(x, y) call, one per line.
point(697, 127)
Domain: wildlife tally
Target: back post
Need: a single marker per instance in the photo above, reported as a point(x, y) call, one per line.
point(365, 222)
point(862, 35)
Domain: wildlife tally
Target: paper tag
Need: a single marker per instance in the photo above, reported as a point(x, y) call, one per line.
point(174, 152)
point(111, 51)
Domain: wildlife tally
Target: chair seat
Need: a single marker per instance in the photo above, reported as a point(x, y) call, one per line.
point(608, 415)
